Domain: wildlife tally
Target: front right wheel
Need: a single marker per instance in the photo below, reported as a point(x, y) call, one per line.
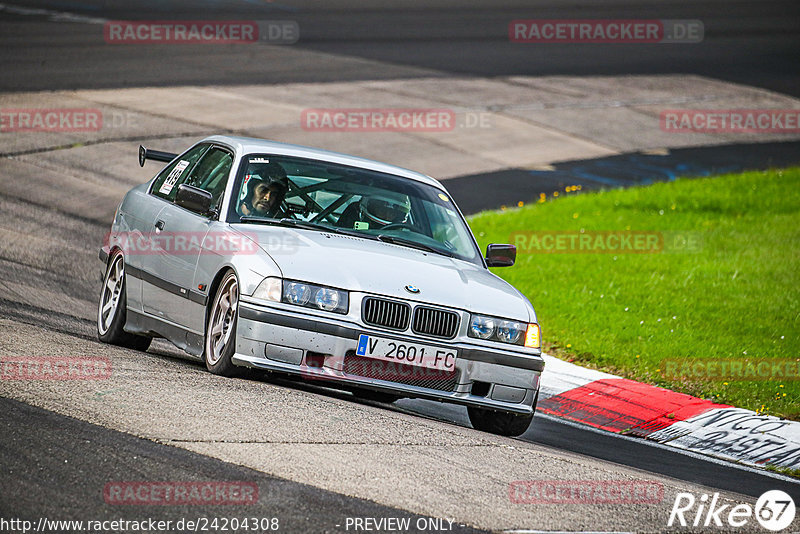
point(376, 396)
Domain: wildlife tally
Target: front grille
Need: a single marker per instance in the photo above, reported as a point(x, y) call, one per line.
point(433, 322)
point(411, 375)
point(387, 313)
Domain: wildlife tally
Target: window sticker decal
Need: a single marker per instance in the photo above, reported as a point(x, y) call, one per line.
point(173, 177)
point(243, 191)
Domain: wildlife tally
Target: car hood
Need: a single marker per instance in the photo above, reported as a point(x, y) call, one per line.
point(377, 267)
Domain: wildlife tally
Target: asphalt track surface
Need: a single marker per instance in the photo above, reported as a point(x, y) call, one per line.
point(52, 463)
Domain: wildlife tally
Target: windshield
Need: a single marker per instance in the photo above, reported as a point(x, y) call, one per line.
point(326, 196)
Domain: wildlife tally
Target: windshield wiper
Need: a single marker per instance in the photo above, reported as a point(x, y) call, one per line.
point(295, 223)
point(305, 225)
point(254, 219)
point(413, 244)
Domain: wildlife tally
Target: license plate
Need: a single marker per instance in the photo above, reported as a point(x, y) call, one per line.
point(416, 354)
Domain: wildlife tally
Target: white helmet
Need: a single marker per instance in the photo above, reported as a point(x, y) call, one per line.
point(386, 207)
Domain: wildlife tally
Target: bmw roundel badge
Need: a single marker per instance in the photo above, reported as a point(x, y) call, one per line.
point(412, 289)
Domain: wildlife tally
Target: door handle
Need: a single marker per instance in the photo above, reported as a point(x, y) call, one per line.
point(159, 226)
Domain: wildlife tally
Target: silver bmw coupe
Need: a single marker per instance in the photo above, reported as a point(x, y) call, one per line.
point(354, 273)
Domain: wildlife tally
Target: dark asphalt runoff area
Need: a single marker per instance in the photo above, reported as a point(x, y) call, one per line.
point(507, 187)
point(750, 42)
point(56, 467)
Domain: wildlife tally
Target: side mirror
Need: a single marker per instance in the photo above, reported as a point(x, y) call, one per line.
point(501, 255)
point(194, 199)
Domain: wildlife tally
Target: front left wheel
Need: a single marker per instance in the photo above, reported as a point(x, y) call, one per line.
point(501, 423)
point(112, 311)
point(220, 342)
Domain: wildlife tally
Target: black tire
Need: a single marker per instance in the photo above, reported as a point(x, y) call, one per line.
point(376, 396)
point(110, 326)
point(218, 360)
point(500, 423)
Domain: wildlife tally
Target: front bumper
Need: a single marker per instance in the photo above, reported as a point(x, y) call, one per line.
point(315, 348)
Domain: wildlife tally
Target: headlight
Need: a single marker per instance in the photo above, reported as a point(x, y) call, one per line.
point(504, 331)
point(296, 293)
point(302, 294)
point(510, 331)
point(327, 299)
point(481, 327)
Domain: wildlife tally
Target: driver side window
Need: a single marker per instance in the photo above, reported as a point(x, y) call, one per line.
point(166, 184)
point(211, 173)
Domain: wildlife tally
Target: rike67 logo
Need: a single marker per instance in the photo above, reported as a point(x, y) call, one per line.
point(774, 510)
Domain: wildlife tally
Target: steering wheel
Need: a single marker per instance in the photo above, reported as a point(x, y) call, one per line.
point(399, 226)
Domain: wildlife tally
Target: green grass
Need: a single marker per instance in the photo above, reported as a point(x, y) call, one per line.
point(788, 471)
point(735, 297)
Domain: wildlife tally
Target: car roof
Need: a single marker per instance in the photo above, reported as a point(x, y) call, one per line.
point(250, 145)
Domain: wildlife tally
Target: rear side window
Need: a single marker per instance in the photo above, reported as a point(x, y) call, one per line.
point(166, 183)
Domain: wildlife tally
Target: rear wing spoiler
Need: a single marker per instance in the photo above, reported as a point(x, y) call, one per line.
point(155, 155)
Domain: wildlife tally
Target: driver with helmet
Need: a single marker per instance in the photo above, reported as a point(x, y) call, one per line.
point(264, 189)
point(376, 210)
